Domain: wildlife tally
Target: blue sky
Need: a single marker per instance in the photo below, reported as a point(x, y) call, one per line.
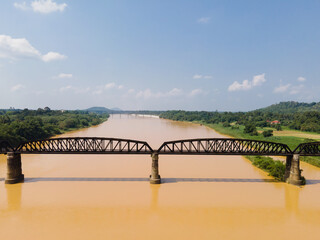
point(148, 54)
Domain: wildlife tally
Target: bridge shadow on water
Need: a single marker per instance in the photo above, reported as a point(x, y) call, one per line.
point(163, 180)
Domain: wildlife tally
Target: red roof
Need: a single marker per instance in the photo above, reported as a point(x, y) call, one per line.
point(275, 122)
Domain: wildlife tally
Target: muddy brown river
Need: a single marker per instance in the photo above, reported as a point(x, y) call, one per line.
point(109, 196)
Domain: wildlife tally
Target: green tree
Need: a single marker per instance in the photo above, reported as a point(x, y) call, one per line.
point(250, 128)
point(267, 133)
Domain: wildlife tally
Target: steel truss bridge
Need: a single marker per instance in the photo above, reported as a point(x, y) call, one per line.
point(201, 146)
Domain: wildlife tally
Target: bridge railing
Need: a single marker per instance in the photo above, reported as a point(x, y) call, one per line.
point(90, 145)
point(224, 146)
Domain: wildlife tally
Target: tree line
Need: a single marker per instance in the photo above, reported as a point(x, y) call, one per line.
point(17, 126)
point(303, 121)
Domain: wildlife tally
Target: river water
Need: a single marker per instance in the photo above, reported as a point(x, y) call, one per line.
point(109, 196)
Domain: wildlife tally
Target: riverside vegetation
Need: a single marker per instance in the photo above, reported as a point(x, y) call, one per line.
point(259, 125)
point(17, 126)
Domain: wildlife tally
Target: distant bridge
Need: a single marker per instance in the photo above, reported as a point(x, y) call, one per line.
point(201, 146)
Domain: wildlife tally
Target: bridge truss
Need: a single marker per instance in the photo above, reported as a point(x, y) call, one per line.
point(201, 146)
point(82, 145)
point(224, 146)
point(308, 149)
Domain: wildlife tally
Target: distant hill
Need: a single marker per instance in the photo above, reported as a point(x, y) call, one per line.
point(291, 107)
point(99, 110)
point(103, 110)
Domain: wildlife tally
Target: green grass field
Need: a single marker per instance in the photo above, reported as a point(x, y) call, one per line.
point(291, 141)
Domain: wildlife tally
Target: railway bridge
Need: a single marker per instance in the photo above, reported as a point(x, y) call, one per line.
point(199, 146)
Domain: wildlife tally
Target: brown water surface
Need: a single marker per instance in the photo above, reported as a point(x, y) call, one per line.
point(109, 196)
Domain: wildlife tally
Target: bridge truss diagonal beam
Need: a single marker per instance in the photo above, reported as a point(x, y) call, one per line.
point(85, 145)
point(224, 146)
point(308, 149)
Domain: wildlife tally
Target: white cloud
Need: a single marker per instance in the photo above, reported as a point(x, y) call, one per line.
point(110, 85)
point(120, 86)
point(196, 92)
point(258, 79)
point(199, 76)
point(131, 90)
point(41, 6)
point(16, 47)
point(282, 88)
point(17, 87)
point(22, 6)
point(64, 75)
point(13, 48)
point(246, 84)
point(301, 79)
point(203, 20)
point(52, 56)
point(175, 92)
point(47, 6)
point(236, 86)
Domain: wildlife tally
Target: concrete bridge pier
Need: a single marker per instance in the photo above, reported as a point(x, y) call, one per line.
point(288, 167)
point(14, 170)
point(155, 177)
point(293, 171)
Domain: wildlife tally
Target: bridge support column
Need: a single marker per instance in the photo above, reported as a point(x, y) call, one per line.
point(14, 170)
point(155, 177)
point(294, 175)
point(288, 167)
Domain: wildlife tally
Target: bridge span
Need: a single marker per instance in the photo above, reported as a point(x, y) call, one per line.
point(202, 146)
